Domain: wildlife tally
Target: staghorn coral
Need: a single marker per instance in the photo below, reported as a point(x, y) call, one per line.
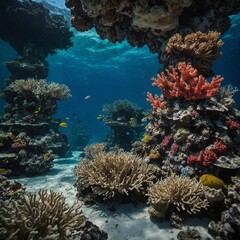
point(114, 174)
point(182, 193)
point(185, 82)
point(40, 89)
point(200, 49)
point(39, 216)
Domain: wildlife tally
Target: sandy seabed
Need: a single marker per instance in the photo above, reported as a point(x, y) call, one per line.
point(128, 222)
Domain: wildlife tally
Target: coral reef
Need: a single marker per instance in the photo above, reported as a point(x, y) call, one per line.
point(43, 215)
point(27, 130)
point(200, 49)
point(180, 193)
point(149, 22)
point(10, 190)
point(125, 120)
point(114, 175)
point(190, 126)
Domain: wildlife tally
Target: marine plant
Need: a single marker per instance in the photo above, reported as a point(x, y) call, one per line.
point(40, 216)
point(114, 175)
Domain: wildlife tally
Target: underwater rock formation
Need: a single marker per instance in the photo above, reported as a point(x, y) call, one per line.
point(229, 225)
point(151, 22)
point(10, 190)
point(114, 175)
point(24, 22)
point(30, 138)
point(193, 126)
point(125, 120)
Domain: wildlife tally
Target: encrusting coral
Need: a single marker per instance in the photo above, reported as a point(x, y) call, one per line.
point(42, 216)
point(181, 193)
point(114, 174)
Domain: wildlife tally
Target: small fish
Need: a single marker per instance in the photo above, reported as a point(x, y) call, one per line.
point(67, 118)
point(63, 124)
point(100, 117)
point(87, 97)
point(1, 144)
point(49, 117)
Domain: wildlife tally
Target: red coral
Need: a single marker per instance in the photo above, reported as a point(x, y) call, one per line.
point(205, 158)
point(220, 147)
point(155, 101)
point(183, 81)
point(233, 125)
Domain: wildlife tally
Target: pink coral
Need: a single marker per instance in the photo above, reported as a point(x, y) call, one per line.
point(233, 125)
point(155, 101)
point(183, 81)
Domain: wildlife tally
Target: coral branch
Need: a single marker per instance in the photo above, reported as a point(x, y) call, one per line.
point(183, 81)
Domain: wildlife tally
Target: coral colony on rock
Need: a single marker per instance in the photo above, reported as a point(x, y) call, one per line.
point(184, 163)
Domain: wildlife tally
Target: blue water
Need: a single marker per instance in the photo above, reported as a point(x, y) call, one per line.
point(108, 72)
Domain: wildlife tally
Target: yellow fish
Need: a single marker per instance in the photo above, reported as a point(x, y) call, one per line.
point(212, 181)
point(63, 124)
point(1, 144)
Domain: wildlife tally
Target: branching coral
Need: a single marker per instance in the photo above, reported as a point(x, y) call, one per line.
point(183, 81)
point(156, 102)
point(201, 49)
point(40, 89)
point(42, 216)
point(114, 173)
point(183, 193)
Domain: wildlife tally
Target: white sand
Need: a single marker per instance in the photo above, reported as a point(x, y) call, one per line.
point(128, 222)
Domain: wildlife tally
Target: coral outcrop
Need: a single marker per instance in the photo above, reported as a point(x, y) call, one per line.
point(10, 190)
point(151, 23)
point(228, 227)
point(114, 175)
point(200, 49)
point(194, 125)
point(180, 193)
point(26, 127)
point(125, 120)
